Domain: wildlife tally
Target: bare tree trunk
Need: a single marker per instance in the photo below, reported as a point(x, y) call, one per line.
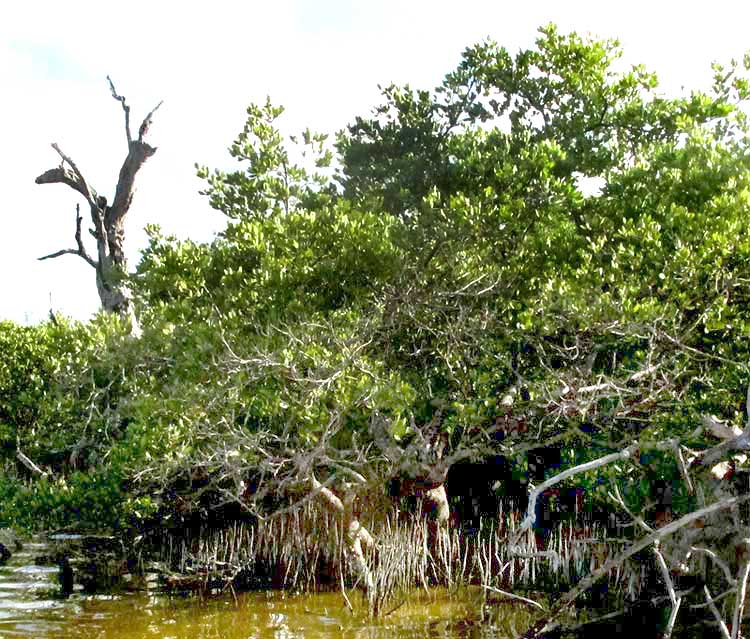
point(436, 502)
point(108, 221)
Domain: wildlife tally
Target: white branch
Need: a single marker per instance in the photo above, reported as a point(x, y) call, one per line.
point(570, 472)
point(30, 464)
point(720, 620)
point(585, 583)
point(125, 108)
point(510, 595)
point(739, 605)
point(718, 561)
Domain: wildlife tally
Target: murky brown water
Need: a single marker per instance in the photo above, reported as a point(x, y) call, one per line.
point(30, 607)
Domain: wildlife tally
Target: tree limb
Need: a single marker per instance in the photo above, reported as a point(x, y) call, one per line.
point(569, 597)
point(61, 175)
point(570, 472)
point(29, 464)
point(143, 129)
point(712, 455)
point(717, 615)
point(80, 183)
point(125, 108)
point(80, 251)
point(138, 153)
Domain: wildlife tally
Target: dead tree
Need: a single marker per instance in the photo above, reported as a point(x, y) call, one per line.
point(108, 220)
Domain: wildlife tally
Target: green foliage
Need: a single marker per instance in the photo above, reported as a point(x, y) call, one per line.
point(270, 183)
point(451, 265)
point(269, 269)
point(485, 261)
point(79, 500)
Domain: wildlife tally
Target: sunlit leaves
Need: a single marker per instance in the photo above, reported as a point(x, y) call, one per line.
point(273, 180)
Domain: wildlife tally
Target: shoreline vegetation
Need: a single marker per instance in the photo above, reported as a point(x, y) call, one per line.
point(493, 335)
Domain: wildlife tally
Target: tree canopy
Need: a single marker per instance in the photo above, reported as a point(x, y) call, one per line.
point(542, 251)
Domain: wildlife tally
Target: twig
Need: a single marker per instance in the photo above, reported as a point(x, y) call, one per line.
point(718, 561)
point(510, 595)
point(716, 599)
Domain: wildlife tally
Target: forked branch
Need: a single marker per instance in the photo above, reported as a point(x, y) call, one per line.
point(80, 251)
point(143, 129)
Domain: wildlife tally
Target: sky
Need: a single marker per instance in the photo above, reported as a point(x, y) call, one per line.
point(322, 59)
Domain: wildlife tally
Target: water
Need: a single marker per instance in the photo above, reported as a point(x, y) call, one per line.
point(30, 606)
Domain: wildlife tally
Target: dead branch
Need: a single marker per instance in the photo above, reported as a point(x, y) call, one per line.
point(80, 251)
point(84, 190)
point(719, 429)
point(732, 442)
point(718, 561)
point(569, 597)
point(510, 595)
point(138, 153)
point(143, 129)
point(71, 177)
point(618, 499)
point(717, 615)
point(61, 175)
point(744, 572)
point(125, 108)
point(673, 598)
point(30, 464)
point(528, 521)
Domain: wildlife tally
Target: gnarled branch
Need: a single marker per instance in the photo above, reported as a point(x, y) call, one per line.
point(72, 177)
point(82, 186)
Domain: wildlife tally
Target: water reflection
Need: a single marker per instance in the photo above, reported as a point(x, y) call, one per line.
point(30, 607)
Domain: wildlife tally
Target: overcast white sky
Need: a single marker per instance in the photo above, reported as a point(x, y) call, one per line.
point(322, 59)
